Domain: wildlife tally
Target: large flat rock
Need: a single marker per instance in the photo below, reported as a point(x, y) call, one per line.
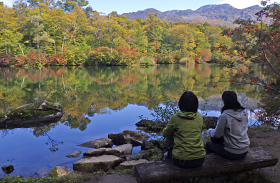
point(102, 151)
point(103, 142)
point(124, 149)
point(160, 171)
point(92, 164)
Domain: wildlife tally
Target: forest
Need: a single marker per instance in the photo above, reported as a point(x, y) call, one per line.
point(41, 33)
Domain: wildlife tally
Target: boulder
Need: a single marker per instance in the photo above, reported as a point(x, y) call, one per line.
point(7, 169)
point(128, 137)
point(59, 171)
point(74, 154)
point(102, 151)
point(31, 115)
point(124, 149)
point(150, 125)
point(103, 142)
point(130, 164)
point(117, 138)
point(92, 164)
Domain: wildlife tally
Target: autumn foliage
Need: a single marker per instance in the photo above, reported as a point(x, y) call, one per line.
point(260, 43)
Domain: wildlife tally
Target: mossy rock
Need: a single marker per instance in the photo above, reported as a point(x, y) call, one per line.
point(31, 115)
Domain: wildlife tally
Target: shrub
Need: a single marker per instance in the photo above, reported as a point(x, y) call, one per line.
point(55, 59)
point(6, 60)
point(126, 56)
point(166, 57)
point(101, 56)
point(187, 60)
point(146, 61)
point(31, 59)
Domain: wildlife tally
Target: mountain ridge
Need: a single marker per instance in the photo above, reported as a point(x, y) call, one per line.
point(220, 15)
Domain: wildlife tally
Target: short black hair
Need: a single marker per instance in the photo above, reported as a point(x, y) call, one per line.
point(188, 102)
point(230, 101)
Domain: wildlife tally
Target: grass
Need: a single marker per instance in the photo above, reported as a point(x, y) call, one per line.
point(255, 176)
point(70, 178)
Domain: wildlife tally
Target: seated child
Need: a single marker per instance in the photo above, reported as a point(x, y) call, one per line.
point(229, 139)
point(186, 127)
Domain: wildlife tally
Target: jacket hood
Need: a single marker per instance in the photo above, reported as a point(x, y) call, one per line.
point(238, 114)
point(188, 115)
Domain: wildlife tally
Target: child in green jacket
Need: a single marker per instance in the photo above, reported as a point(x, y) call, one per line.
point(186, 127)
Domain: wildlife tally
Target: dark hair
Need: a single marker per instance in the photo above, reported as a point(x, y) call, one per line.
point(230, 101)
point(188, 102)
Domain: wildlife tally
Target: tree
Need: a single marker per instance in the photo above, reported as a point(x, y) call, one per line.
point(9, 37)
point(96, 26)
point(259, 43)
point(112, 29)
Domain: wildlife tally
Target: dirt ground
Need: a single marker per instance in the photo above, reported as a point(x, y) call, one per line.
point(267, 138)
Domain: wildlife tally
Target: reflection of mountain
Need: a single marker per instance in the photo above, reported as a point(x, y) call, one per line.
point(215, 102)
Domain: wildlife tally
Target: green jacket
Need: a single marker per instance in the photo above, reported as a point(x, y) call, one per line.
point(186, 129)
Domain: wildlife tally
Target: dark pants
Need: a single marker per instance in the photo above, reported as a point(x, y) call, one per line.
point(168, 144)
point(219, 149)
point(188, 163)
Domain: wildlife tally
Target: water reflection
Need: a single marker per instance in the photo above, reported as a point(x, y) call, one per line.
point(100, 100)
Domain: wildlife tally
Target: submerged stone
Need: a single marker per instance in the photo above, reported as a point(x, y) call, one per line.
point(59, 171)
point(74, 154)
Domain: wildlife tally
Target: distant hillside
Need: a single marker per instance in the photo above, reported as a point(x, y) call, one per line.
point(219, 15)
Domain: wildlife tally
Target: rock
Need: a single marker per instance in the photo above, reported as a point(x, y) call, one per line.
point(92, 164)
point(74, 154)
point(124, 149)
point(25, 117)
point(129, 157)
point(59, 171)
point(102, 151)
point(104, 142)
point(150, 125)
point(130, 164)
point(128, 137)
point(7, 169)
point(58, 106)
point(117, 138)
point(135, 138)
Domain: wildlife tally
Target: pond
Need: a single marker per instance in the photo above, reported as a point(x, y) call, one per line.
point(98, 101)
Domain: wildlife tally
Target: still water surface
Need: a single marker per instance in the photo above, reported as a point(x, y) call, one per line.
point(98, 101)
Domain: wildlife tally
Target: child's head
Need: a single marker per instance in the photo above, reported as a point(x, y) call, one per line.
point(230, 101)
point(188, 102)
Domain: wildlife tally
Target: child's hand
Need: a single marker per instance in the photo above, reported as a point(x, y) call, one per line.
point(210, 131)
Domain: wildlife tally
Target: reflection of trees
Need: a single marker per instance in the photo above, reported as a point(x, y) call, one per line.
point(44, 131)
point(86, 91)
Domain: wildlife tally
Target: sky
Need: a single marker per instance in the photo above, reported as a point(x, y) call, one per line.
point(126, 6)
